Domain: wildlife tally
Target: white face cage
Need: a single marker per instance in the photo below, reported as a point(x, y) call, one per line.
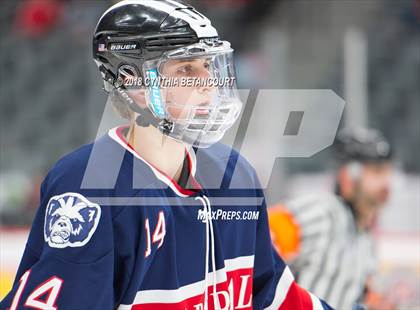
point(194, 88)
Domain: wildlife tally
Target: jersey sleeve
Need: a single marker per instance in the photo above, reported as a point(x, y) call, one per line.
point(274, 284)
point(68, 258)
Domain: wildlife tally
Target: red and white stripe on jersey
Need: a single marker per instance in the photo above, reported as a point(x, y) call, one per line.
point(289, 295)
point(117, 135)
point(234, 290)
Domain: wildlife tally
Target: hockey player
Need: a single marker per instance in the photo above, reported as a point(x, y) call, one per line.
point(327, 238)
point(144, 218)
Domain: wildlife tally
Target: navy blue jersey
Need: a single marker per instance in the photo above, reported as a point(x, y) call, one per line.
point(114, 232)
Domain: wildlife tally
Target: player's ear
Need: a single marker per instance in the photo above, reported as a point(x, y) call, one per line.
point(345, 181)
point(139, 96)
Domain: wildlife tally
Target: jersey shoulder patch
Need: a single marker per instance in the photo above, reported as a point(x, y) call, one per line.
point(70, 220)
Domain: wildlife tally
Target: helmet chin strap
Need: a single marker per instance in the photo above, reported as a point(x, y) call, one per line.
point(146, 117)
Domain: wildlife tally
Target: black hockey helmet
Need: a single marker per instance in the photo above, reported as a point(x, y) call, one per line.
point(139, 30)
point(136, 38)
point(361, 145)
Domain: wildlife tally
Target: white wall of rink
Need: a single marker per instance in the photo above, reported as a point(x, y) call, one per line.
point(12, 244)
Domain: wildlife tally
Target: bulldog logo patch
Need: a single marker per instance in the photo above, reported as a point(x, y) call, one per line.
point(70, 220)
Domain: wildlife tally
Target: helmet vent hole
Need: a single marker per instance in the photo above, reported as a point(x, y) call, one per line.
point(169, 42)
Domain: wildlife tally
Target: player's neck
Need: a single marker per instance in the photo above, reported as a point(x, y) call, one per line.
point(161, 151)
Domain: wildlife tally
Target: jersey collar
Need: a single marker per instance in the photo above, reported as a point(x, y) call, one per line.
point(117, 135)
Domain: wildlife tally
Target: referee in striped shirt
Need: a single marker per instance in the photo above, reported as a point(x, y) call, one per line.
point(327, 238)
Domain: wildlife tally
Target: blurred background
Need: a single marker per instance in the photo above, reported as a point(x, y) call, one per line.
point(368, 52)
